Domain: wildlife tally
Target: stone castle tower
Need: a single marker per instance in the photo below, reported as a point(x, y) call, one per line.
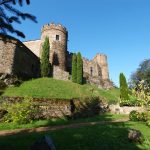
point(58, 37)
point(95, 71)
point(101, 59)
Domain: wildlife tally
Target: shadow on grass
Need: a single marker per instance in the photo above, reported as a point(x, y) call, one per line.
point(1, 92)
point(2, 89)
point(94, 137)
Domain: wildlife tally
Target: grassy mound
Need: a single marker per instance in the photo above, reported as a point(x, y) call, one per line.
point(51, 88)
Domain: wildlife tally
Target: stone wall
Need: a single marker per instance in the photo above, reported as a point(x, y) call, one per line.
point(91, 68)
point(116, 109)
point(7, 52)
point(60, 74)
point(54, 108)
point(58, 55)
point(101, 60)
point(17, 59)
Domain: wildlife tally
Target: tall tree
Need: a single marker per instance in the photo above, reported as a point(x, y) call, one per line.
point(45, 64)
point(79, 68)
point(124, 91)
point(142, 73)
point(74, 68)
point(7, 7)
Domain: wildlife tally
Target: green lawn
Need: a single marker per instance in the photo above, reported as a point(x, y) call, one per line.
point(51, 88)
point(63, 121)
point(96, 137)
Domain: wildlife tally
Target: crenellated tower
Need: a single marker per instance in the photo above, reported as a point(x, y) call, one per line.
point(58, 37)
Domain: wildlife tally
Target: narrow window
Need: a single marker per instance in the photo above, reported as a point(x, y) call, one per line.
point(57, 37)
point(91, 71)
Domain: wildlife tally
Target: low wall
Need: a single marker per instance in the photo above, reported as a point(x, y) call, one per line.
point(116, 109)
point(54, 108)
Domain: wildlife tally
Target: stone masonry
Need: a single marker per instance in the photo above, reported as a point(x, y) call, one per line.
point(17, 59)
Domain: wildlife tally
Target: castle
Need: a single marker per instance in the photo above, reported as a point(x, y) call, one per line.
point(23, 59)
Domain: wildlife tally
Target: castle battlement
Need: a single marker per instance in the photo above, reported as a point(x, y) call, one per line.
point(55, 27)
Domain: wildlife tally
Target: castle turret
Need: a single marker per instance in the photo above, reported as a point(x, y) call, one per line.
point(58, 37)
point(101, 59)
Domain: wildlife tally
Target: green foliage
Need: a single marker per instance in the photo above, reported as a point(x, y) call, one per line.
point(19, 112)
point(45, 65)
point(79, 69)
point(141, 92)
point(124, 91)
point(89, 106)
point(6, 19)
point(132, 101)
point(74, 68)
point(137, 116)
point(142, 73)
point(133, 115)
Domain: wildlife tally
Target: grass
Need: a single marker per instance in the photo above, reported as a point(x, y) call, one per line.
point(55, 122)
point(51, 88)
point(96, 137)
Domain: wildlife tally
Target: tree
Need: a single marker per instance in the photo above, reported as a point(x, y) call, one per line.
point(74, 68)
point(6, 21)
point(124, 91)
point(142, 73)
point(45, 64)
point(79, 69)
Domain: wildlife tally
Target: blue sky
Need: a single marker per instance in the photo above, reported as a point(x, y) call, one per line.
point(118, 28)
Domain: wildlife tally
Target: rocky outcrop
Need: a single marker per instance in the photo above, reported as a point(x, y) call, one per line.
point(135, 136)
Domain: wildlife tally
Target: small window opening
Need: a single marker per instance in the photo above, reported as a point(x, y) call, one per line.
point(57, 37)
point(91, 71)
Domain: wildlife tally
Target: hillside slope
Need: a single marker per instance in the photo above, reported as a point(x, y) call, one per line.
point(51, 88)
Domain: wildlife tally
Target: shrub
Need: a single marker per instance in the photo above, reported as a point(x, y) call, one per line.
point(2, 84)
point(132, 101)
point(133, 116)
point(136, 116)
point(140, 92)
point(19, 112)
point(148, 122)
point(2, 113)
point(148, 119)
point(89, 106)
